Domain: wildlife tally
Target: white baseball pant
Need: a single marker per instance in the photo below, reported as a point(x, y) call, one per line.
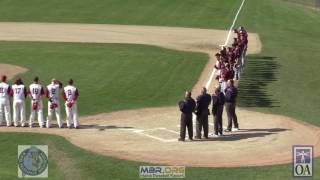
point(5, 108)
point(72, 113)
point(38, 111)
point(243, 56)
point(19, 108)
point(223, 86)
point(51, 112)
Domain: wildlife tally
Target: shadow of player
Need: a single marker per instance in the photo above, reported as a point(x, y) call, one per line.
point(103, 127)
point(245, 134)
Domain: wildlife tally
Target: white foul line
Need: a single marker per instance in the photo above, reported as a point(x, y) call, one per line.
point(226, 42)
point(234, 22)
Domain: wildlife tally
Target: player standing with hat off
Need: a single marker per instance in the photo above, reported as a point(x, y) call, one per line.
point(52, 93)
point(4, 100)
point(36, 92)
point(70, 95)
point(19, 93)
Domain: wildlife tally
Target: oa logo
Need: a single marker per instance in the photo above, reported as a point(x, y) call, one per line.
point(302, 161)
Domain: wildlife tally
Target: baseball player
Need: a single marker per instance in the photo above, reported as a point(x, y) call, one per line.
point(4, 100)
point(35, 92)
point(52, 93)
point(70, 95)
point(19, 93)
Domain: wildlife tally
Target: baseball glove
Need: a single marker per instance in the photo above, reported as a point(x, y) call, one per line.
point(69, 104)
point(35, 105)
point(53, 105)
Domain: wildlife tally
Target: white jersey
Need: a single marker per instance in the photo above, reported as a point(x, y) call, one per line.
point(4, 90)
point(70, 93)
point(18, 92)
point(53, 91)
point(35, 91)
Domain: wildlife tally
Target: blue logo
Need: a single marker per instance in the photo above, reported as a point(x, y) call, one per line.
point(32, 161)
point(302, 161)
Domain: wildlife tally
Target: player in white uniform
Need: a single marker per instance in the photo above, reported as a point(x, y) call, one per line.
point(35, 92)
point(19, 93)
point(4, 101)
point(70, 95)
point(52, 93)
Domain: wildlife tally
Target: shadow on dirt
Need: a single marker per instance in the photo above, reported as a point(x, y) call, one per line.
point(245, 134)
point(102, 127)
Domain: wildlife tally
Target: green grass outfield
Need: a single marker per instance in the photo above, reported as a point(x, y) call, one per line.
point(110, 77)
point(204, 13)
point(283, 79)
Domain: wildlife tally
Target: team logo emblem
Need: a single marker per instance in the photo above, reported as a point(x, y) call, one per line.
point(32, 161)
point(302, 161)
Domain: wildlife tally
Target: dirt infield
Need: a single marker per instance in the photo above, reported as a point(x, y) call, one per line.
point(11, 70)
point(150, 134)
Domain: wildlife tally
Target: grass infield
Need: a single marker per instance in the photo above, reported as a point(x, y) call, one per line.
point(109, 77)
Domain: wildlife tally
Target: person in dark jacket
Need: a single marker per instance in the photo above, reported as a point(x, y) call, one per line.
point(231, 93)
point(202, 112)
point(187, 107)
point(217, 110)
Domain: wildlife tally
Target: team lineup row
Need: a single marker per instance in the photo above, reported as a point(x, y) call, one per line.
point(19, 92)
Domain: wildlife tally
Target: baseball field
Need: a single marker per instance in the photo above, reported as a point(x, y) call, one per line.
point(132, 61)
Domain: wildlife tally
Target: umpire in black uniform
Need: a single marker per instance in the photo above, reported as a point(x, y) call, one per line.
point(187, 107)
point(231, 94)
point(202, 112)
point(217, 110)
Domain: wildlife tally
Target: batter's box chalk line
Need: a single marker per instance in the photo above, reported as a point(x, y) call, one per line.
point(143, 132)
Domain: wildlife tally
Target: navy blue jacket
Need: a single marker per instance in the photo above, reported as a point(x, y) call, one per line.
point(187, 106)
point(203, 102)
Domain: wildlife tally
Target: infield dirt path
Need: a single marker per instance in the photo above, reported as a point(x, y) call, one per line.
point(151, 134)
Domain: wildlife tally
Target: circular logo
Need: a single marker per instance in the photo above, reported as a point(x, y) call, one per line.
point(33, 161)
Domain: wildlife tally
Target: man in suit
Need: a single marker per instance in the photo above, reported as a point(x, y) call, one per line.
point(202, 112)
point(187, 107)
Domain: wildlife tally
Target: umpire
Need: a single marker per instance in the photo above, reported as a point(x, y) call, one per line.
point(218, 100)
point(187, 107)
point(231, 94)
point(202, 112)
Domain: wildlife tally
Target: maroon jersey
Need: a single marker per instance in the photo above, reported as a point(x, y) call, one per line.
point(225, 74)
